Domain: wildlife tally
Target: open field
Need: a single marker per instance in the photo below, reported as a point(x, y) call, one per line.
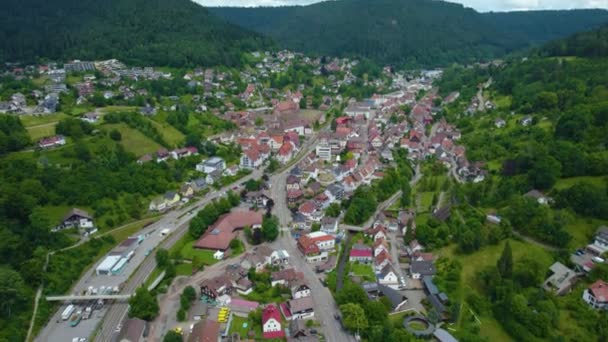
point(171, 135)
point(35, 120)
point(133, 140)
point(485, 257)
point(38, 132)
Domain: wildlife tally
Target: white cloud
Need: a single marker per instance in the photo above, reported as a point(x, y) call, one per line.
point(480, 5)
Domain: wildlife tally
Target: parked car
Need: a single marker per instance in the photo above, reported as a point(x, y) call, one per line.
point(598, 260)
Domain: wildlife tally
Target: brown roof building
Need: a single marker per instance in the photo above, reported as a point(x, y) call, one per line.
point(219, 235)
point(205, 331)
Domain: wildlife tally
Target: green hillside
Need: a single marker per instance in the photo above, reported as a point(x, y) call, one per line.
point(158, 32)
point(412, 32)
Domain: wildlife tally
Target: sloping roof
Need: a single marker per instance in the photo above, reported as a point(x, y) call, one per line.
point(205, 331)
point(599, 289)
point(444, 336)
point(393, 296)
point(300, 304)
point(271, 312)
point(77, 212)
point(423, 267)
point(132, 330)
point(219, 235)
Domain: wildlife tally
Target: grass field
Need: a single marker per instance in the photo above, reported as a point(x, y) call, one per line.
point(171, 135)
point(237, 327)
point(183, 269)
point(35, 120)
point(187, 251)
point(565, 183)
point(487, 256)
point(38, 132)
point(363, 270)
point(133, 140)
point(583, 230)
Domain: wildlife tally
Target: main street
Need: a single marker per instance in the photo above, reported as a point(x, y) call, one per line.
point(324, 304)
point(138, 270)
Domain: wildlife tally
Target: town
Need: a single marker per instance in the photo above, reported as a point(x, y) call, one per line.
point(297, 199)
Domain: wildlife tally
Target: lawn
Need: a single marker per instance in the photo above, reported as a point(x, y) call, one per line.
point(565, 183)
point(426, 200)
point(503, 101)
point(133, 140)
point(187, 251)
point(183, 269)
point(237, 327)
point(35, 120)
point(38, 132)
point(363, 270)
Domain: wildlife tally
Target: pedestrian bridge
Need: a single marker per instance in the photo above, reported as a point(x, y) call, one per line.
point(88, 297)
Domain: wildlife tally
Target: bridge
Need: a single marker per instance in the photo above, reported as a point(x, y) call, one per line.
point(88, 297)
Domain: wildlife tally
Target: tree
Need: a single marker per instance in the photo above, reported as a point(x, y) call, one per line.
point(173, 336)
point(115, 135)
point(259, 121)
point(197, 263)
point(270, 228)
point(353, 317)
point(12, 289)
point(505, 262)
point(162, 258)
point(333, 210)
point(143, 305)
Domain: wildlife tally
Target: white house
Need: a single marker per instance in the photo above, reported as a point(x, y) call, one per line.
point(300, 290)
point(597, 295)
point(211, 164)
point(388, 276)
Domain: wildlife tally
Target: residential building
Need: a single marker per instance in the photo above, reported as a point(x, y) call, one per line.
point(596, 295)
point(271, 323)
point(133, 330)
point(58, 140)
point(562, 279)
point(205, 331)
point(211, 164)
point(301, 308)
point(419, 269)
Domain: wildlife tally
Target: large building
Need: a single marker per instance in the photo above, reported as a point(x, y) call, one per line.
point(219, 235)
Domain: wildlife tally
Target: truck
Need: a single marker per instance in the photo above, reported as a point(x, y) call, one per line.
point(130, 255)
point(75, 319)
point(68, 312)
point(87, 313)
point(165, 232)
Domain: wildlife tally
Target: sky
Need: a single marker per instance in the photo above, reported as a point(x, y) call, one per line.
point(480, 5)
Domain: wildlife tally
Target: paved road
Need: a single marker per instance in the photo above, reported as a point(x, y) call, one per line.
point(324, 304)
point(137, 271)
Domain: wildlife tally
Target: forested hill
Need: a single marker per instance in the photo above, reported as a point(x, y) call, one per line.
point(536, 27)
point(590, 44)
point(159, 32)
point(413, 32)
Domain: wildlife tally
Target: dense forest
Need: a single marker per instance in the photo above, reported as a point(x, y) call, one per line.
point(157, 32)
point(585, 44)
point(410, 32)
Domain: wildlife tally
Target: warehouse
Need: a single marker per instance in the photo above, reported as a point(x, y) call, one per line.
point(107, 264)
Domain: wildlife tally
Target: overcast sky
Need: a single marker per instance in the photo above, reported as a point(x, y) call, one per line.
point(480, 5)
